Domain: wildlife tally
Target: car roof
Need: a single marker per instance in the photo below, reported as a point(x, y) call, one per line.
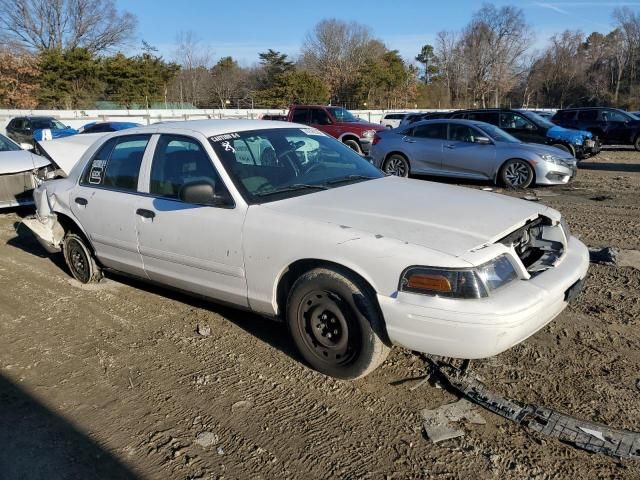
point(210, 128)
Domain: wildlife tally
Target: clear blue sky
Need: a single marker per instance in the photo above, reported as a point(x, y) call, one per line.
point(245, 27)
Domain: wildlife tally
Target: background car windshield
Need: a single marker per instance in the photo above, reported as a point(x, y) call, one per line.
point(47, 123)
point(496, 133)
point(343, 115)
point(634, 116)
point(537, 119)
point(273, 164)
point(7, 145)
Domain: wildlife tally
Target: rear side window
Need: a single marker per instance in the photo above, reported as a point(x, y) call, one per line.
point(564, 115)
point(588, 115)
point(432, 130)
point(300, 115)
point(117, 163)
point(487, 117)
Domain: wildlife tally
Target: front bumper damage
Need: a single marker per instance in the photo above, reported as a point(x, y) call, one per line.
point(591, 436)
point(44, 224)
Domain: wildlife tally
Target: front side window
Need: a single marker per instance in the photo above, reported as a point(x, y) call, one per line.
point(431, 130)
point(613, 116)
point(462, 133)
point(117, 163)
point(178, 161)
point(51, 123)
point(273, 164)
point(7, 145)
point(319, 117)
point(514, 121)
point(342, 114)
point(497, 134)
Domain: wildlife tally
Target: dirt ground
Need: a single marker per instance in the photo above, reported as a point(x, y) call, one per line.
point(112, 381)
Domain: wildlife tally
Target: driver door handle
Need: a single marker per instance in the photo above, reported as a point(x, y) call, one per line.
point(144, 213)
point(450, 146)
point(408, 140)
point(81, 201)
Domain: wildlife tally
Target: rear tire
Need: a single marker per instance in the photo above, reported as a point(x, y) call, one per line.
point(80, 259)
point(516, 174)
point(336, 324)
point(352, 144)
point(566, 148)
point(397, 165)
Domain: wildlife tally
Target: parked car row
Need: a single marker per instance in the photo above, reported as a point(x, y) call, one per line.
point(283, 220)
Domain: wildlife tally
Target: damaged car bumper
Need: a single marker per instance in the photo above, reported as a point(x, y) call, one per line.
point(484, 327)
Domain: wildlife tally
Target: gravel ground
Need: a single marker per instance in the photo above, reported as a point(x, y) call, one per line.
point(113, 380)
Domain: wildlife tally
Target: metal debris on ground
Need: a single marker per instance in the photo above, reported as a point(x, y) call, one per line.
point(603, 256)
point(437, 421)
point(590, 436)
point(203, 330)
point(531, 198)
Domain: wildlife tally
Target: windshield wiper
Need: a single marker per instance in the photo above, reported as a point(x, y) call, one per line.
point(349, 178)
point(293, 188)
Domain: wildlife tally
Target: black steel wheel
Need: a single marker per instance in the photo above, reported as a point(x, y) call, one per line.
point(396, 165)
point(516, 174)
point(335, 324)
point(80, 259)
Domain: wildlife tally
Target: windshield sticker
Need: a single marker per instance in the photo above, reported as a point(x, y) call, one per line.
point(226, 136)
point(97, 169)
point(311, 131)
point(227, 146)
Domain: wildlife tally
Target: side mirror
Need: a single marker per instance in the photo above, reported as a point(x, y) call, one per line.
point(482, 140)
point(26, 146)
point(203, 192)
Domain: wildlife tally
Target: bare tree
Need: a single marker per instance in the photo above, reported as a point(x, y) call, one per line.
point(228, 81)
point(193, 81)
point(64, 24)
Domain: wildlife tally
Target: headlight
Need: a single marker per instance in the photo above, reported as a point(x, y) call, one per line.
point(368, 133)
point(551, 159)
point(459, 283)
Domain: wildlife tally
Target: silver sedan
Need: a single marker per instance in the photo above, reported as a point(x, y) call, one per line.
point(470, 149)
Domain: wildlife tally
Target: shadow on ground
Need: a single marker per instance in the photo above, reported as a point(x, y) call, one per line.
point(36, 443)
point(611, 167)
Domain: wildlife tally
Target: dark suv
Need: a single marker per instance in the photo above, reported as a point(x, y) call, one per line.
point(22, 129)
point(610, 125)
point(530, 127)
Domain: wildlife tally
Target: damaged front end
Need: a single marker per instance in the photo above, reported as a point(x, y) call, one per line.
point(539, 244)
point(44, 224)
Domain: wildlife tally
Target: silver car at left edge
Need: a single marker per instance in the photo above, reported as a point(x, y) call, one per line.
point(287, 222)
point(472, 150)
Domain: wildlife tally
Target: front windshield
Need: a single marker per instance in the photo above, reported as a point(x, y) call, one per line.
point(278, 163)
point(537, 119)
point(7, 145)
point(50, 123)
point(496, 133)
point(343, 115)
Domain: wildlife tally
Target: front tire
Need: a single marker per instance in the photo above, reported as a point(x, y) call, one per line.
point(396, 165)
point(516, 174)
point(80, 259)
point(336, 324)
point(636, 144)
point(354, 145)
point(566, 148)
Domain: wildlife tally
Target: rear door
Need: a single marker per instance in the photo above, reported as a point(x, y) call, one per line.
point(193, 247)
point(106, 198)
point(464, 157)
point(423, 145)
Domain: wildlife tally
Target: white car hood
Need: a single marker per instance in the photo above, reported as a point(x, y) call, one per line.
point(65, 152)
point(20, 161)
point(446, 218)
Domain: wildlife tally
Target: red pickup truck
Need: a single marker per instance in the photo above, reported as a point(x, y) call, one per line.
point(337, 122)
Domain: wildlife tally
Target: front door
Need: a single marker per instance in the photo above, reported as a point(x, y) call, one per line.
point(194, 247)
point(464, 157)
point(106, 199)
point(521, 128)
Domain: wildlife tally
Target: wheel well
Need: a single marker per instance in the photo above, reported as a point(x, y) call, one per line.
point(350, 137)
point(299, 267)
point(396, 153)
point(499, 170)
point(70, 225)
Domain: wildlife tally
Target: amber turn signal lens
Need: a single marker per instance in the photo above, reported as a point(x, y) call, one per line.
point(434, 283)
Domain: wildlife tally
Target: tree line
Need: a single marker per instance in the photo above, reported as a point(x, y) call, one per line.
point(69, 54)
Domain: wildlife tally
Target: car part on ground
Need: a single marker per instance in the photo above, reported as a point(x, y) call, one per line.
point(299, 233)
point(469, 149)
point(610, 125)
point(591, 436)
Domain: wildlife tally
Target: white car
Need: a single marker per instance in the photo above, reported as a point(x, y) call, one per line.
point(392, 120)
point(20, 171)
point(310, 232)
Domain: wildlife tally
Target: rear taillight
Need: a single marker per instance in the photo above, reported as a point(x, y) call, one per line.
point(376, 139)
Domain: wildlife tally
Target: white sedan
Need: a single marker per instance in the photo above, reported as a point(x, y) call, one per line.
point(20, 171)
point(282, 220)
